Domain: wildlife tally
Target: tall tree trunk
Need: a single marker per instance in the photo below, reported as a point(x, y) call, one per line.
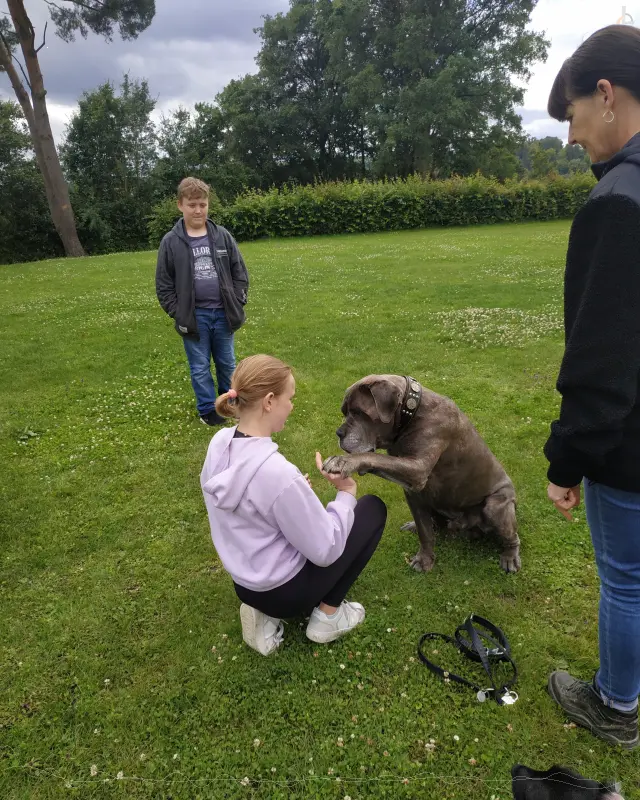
point(37, 117)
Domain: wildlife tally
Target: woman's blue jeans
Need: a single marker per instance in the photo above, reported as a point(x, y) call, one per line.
point(614, 521)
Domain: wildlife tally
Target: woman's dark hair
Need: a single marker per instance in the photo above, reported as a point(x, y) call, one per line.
point(612, 54)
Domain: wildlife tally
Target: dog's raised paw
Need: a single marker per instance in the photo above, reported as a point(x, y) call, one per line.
point(337, 465)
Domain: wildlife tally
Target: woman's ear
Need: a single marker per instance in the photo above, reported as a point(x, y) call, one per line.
point(268, 401)
point(606, 92)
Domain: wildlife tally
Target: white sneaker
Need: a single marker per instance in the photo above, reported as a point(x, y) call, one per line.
point(259, 631)
point(323, 628)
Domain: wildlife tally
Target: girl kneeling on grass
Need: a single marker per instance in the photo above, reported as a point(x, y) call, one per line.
point(286, 553)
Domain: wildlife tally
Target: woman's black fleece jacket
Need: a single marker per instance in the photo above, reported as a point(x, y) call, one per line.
point(598, 434)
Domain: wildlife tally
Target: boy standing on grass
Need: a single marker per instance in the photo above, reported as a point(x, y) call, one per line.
point(202, 284)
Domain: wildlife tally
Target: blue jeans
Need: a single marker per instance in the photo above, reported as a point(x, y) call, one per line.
point(216, 340)
point(614, 521)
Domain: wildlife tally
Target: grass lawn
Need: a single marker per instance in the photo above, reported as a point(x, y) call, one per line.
point(120, 640)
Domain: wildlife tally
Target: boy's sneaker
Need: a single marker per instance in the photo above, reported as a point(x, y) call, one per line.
point(260, 632)
point(583, 705)
point(212, 419)
point(323, 628)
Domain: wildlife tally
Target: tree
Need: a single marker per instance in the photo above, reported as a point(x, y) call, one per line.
point(315, 126)
point(542, 161)
point(256, 132)
point(385, 87)
point(78, 16)
point(448, 70)
point(541, 157)
point(109, 155)
point(198, 144)
point(26, 231)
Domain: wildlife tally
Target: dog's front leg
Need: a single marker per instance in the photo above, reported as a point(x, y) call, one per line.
point(424, 559)
point(410, 473)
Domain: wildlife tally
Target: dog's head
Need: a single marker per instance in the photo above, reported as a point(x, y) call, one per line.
point(557, 783)
point(369, 409)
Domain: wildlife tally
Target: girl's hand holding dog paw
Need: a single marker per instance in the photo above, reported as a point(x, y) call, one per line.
point(341, 484)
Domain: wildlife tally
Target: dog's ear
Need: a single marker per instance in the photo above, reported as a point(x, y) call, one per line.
point(379, 399)
point(387, 398)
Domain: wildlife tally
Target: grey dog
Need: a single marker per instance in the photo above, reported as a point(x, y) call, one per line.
point(449, 475)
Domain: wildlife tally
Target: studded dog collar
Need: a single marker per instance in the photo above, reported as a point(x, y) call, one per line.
point(410, 401)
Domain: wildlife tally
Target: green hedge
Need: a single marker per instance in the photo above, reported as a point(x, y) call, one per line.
point(361, 207)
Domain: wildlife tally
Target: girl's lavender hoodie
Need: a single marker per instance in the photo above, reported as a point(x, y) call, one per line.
point(266, 521)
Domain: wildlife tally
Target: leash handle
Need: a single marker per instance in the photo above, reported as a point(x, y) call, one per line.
point(474, 648)
point(435, 668)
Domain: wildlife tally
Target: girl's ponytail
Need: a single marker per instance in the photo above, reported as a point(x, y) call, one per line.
point(252, 380)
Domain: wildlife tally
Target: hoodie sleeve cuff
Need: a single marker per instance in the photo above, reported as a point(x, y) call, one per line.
point(346, 499)
point(564, 473)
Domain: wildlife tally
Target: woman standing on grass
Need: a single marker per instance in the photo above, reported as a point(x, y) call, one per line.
point(596, 440)
point(286, 553)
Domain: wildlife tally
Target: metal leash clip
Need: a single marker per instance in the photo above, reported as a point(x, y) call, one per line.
point(509, 698)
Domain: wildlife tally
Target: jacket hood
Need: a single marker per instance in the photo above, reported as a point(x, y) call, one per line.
point(181, 232)
point(630, 152)
point(231, 465)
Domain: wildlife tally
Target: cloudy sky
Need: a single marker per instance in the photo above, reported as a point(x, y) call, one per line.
point(194, 48)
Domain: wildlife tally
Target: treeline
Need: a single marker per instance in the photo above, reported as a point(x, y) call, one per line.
point(345, 90)
point(123, 171)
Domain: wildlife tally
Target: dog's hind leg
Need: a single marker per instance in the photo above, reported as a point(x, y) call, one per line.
point(499, 515)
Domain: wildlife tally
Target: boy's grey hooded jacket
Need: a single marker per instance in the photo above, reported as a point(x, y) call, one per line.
point(175, 277)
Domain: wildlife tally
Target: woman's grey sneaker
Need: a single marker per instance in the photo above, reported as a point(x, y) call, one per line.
point(323, 628)
point(583, 705)
point(262, 633)
point(212, 419)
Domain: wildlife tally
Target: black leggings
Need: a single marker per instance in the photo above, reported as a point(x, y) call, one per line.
point(314, 584)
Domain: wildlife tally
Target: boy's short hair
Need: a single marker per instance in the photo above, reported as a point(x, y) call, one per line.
point(192, 189)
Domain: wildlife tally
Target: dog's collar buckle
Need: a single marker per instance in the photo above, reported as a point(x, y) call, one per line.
point(410, 401)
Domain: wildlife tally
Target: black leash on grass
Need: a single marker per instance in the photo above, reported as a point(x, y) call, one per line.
point(483, 642)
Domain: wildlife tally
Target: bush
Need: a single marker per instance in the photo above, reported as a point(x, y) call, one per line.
point(165, 215)
point(362, 207)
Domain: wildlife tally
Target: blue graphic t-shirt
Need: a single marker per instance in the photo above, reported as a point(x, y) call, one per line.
point(207, 284)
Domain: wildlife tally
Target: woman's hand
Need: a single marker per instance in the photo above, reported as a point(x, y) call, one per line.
point(342, 484)
point(564, 499)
